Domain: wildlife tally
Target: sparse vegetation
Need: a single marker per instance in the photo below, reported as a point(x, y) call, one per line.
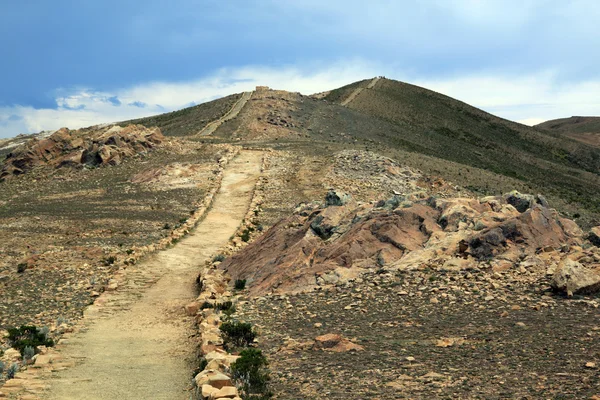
point(28, 336)
point(237, 334)
point(240, 284)
point(21, 268)
point(251, 374)
point(219, 258)
point(110, 260)
point(12, 371)
point(246, 234)
point(28, 353)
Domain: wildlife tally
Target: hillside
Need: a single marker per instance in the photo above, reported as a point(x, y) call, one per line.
point(584, 129)
point(429, 123)
point(190, 120)
point(384, 240)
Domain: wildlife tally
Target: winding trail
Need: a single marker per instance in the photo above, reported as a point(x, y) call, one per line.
point(137, 345)
point(235, 110)
point(357, 91)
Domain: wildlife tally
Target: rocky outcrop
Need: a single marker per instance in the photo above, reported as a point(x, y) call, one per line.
point(85, 147)
point(573, 277)
point(594, 236)
point(326, 243)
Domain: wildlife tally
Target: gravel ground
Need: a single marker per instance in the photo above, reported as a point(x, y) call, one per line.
point(433, 335)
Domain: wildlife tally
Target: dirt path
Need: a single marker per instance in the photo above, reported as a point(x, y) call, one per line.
point(137, 346)
point(235, 110)
point(357, 91)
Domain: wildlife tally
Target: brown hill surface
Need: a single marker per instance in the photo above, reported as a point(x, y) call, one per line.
point(584, 129)
point(429, 123)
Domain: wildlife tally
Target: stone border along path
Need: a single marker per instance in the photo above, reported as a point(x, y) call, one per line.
point(235, 110)
point(135, 342)
point(213, 382)
point(357, 91)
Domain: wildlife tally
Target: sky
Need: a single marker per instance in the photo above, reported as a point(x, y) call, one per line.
point(79, 63)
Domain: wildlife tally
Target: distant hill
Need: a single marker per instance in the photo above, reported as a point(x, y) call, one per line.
point(437, 125)
point(584, 129)
point(420, 128)
point(190, 120)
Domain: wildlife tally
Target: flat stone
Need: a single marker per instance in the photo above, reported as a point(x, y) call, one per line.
point(226, 392)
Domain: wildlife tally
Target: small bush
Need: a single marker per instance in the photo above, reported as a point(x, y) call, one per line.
point(21, 268)
point(251, 374)
point(28, 336)
point(1, 368)
point(28, 353)
point(224, 306)
point(166, 226)
point(238, 334)
point(12, 371)
point(202, 365)
point(206, 304)
point(109, 260)
point(246, 234)
point(240, 284)
point(129, 251)
point(219, 258)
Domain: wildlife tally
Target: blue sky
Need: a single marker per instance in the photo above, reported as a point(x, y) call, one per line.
point(78, 63)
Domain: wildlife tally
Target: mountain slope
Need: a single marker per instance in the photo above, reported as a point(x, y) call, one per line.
point(584, 129)
point(439, 126)
point(188, 121)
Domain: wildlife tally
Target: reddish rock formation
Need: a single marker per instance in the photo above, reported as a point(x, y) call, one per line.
point(325, 244)
point(95, 147)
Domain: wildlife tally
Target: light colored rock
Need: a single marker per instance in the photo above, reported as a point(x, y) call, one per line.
point(207, 391)
point(226, 392)
point(213, 378)
point(192, 308)
point(573, 277)
point(12, 354)
point(336, 343)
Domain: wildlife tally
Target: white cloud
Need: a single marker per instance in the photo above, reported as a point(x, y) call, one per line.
point(529, 99)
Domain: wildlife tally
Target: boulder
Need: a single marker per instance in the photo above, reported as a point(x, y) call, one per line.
point(192, 308)
point(336, 343)
point(522, 202)
point(85, 147)
point(336, 198)
point(213, 378)
point(574, 278)
point(594, 236)
point(226, 392)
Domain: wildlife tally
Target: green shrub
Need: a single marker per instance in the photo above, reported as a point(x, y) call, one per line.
point(206, 304)
point(238, 334)
point(251, 374)
point(1, 368)
point(28, 353)
point(28, 336)
point(12, 371)
point(203, 363)
point(246, 233)
point(21, 268)
point(219, 258)
point(110, 260)
point(240, 284)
